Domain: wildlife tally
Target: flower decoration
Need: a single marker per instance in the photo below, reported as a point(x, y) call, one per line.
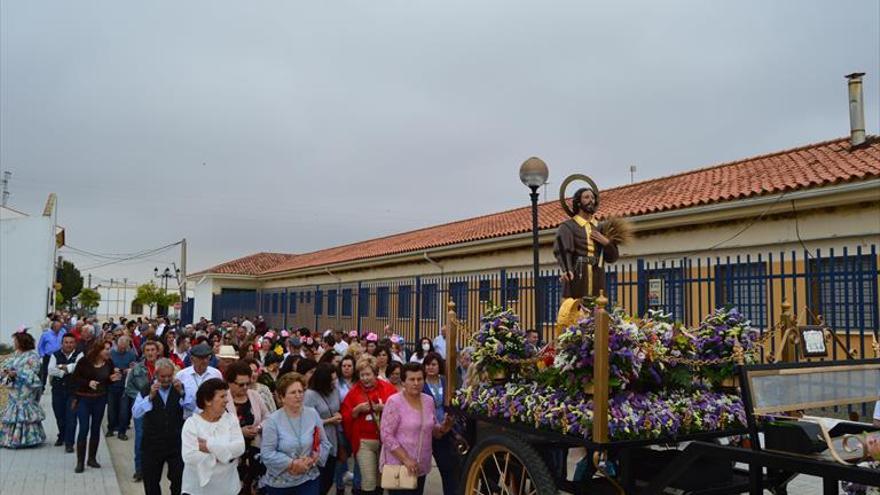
point(574, 357)
point(500, 342)
point(632, 415)
point(716, 338)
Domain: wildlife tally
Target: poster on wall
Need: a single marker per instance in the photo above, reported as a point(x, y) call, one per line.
point(655, 292)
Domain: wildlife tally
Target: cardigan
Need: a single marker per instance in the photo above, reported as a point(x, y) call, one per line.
point(364, 426)
point(214, 473)
point(286, 439)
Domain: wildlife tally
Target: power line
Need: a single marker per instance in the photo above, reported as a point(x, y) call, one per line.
point(135, 256)
point(113, 255)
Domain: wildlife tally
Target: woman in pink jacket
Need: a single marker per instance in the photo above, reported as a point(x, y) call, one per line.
point(408, 425)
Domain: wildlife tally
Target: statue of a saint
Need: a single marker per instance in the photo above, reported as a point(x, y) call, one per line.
point(583, 245)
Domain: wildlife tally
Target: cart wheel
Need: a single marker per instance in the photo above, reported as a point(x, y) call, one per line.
point(505, 465)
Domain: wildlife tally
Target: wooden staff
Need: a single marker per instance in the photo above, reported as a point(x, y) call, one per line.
point(601, 369)
point(451, 339)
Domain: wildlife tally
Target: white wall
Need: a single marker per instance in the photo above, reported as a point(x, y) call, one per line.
point(203, 294)
point(116, 302)
point(27, 271)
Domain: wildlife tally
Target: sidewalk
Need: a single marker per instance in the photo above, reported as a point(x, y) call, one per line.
point(48, 470)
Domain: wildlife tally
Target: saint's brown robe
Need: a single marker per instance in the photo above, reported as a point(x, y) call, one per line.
point(570, 245)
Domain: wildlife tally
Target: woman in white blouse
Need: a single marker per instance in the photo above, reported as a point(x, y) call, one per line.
point(211, 444)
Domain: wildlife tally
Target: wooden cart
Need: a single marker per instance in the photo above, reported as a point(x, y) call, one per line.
point(515, 459)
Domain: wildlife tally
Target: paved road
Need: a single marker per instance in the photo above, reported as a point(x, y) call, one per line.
point(48, 470)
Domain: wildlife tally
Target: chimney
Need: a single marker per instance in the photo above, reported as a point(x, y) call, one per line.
point(856, 110)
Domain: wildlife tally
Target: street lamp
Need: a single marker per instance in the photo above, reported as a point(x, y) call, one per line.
point(533, 173)
point(165, 275)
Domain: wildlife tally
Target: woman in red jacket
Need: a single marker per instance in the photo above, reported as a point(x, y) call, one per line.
point(361, 411)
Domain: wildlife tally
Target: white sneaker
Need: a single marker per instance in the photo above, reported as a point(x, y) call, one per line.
point(348, 477)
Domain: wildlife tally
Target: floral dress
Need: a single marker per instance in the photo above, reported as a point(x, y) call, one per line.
point(21, 423)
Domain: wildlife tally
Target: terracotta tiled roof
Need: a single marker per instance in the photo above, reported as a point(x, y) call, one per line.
point(253, 264)
point(815, 165)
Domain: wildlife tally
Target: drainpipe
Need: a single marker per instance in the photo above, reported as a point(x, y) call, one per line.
point(442, 282)
point(338, 289)
point(429, 260)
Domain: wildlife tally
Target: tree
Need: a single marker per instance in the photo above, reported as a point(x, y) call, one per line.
point(148, 294)
point(168, 299)
point(89, 299)
point(71, 281)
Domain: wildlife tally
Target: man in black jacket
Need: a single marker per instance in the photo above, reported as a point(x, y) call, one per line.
point(161, 405)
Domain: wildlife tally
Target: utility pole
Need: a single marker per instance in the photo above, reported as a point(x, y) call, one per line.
point(124, 296)
point(632, 174)
point(183, 271)
point(6, 175)
point(90, 281)
point(108, 297)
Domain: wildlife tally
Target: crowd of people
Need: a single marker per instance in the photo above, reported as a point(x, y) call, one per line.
point(237, 407)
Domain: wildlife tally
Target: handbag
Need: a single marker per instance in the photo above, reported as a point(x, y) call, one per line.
point(398, 477)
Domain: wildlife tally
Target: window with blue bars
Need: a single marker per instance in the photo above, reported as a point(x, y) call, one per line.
point(319, 302)
point(611, 288)
point(672, 282)
point(382, 302)
point(331, 302)
point(404, 301)
point(511, 292)
point(485, 291)
point(265, 305)
point(458, 292)
point(292, 308)
point(302, 297)
point(309, 297)
point(283, 304)
point(346, 302)
point(744, 287)
point(364, 301)
point(429, 301)
point(843, 290)
point(551, 292)
point(275, 303)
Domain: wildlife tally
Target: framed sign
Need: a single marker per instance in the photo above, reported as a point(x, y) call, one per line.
point(655, 292)
point(813, 341)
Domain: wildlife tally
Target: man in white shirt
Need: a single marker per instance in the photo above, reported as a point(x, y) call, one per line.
point(341, 346)
point(61, 365)
point(440, 343)
point(163, 423)
point(197, 374)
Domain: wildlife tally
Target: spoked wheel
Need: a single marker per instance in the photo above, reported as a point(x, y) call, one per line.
point(505, 465)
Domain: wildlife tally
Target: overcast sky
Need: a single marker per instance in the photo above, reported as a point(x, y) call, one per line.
point(293, 126)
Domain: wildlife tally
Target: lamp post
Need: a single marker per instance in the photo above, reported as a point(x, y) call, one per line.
point(165, 275)
point(533, 173)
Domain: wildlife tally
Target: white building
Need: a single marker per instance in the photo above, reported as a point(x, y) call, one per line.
point(28, 246)
point(117, 300)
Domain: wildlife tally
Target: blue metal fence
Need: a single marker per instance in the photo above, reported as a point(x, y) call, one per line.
point(839, 285)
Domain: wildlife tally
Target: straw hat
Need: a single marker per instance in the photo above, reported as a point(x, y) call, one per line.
point(227, 352)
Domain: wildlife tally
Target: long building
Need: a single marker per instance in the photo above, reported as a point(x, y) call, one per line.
point(801, 224)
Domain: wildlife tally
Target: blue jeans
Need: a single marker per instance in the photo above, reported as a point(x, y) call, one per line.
point(342, 467)
point(118, 410)
point(90, 413)
point(138, 438)
point(65, 417)
point(444, 454)
point(307, 488)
